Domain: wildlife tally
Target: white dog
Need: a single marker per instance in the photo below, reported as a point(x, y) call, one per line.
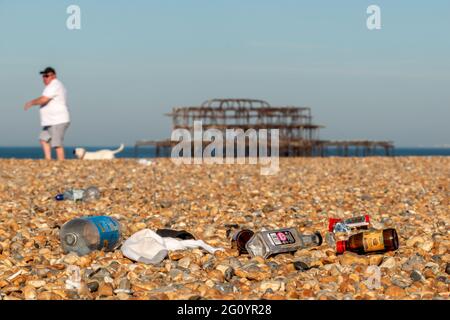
point(105, 154)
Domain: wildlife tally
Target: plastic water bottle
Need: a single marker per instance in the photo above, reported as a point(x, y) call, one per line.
point(84, 235)
point(89, 194)
point(269, 242)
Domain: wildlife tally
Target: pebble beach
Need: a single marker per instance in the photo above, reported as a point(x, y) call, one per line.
point(410, 194)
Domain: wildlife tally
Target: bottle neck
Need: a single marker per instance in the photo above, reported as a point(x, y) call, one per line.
point(71, 239)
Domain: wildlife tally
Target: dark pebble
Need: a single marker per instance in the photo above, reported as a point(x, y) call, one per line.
point(273, 265)
point(231, 226)
point(229, 273)
point(208, 265)
point(436, 258)
point(165, 204)
point(301, 266)
point(416, 276)
point(72, 294)
point(447, 268)
point(93, 286)
point(18, 257)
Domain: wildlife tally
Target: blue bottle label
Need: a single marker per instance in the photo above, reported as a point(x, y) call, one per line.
point(108, 229)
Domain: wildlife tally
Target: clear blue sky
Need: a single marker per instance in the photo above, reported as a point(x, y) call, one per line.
point(132, 61)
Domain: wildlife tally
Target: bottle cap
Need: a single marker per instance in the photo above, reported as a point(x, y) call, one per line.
point(71, 239)
point(59, 197)
point(340, 246)
point(331, 223)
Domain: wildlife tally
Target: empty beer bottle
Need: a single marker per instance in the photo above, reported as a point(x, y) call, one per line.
point(370, 241)
point(269, 242)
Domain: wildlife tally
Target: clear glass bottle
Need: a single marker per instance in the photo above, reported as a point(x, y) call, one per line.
point(269, 242)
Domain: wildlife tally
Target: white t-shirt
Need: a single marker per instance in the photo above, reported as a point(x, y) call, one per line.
point(55, 111)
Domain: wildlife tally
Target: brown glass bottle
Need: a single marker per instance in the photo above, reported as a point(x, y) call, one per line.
point(240, 239)
point(370, 241)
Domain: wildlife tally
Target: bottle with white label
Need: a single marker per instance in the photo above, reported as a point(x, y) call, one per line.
point(270, 242)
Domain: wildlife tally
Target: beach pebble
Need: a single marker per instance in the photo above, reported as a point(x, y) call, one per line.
point(36, 283)
point(184, 262)
point(414, 262)
point(124, 286)
point(376, 259)
point(395, 292)
point(71, 258)
point(93, 286)
point(272, 285)
point(105, 290)
point(29, 292)
point(416, 276)
point(389, 263)
point(301, 266)
point(350, 258)
point(427, 245)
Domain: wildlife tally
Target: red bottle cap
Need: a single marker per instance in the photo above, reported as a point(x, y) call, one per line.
point(332, 222)
point(340, 246)
point(367, 218)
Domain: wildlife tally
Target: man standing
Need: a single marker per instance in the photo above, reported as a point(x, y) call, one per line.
point(54, 114)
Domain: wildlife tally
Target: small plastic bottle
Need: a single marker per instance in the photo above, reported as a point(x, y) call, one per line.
point(269, 242)
point(84, 235)
point(370, 241)
point(89, 194)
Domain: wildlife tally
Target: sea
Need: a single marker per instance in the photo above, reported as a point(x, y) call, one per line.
point(149, 152)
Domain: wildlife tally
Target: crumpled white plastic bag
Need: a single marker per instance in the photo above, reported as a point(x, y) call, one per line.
point(148, 247)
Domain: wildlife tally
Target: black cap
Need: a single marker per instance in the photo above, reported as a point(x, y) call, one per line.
point(48, 70)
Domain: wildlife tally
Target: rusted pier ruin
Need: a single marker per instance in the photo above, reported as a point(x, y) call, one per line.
point(298, 135)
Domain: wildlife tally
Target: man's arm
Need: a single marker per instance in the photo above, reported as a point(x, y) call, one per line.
point(41, 101)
